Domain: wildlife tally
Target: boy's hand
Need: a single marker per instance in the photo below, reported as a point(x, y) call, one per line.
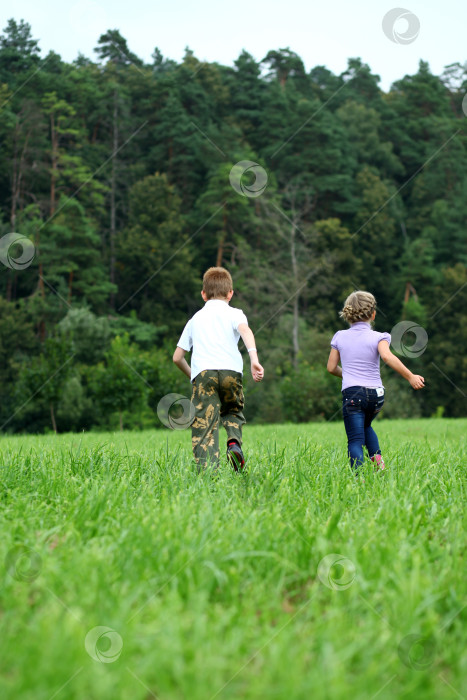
point(417, 381)
point(257, 371)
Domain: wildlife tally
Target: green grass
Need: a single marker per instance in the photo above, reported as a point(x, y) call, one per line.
point(212, 586)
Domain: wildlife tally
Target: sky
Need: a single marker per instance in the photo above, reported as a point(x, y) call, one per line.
point(217, 30)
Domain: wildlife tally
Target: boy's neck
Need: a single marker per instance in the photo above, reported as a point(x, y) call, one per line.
point(226, 299)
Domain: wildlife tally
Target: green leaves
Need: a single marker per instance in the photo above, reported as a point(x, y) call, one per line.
point(154, 261)
point(117, 383)
point(119, 172)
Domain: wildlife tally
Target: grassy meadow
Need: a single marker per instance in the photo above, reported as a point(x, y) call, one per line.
point(127, 575)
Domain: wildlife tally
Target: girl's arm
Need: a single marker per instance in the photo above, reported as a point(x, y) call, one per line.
point(333, 363)
point(415, 380)
point(182, 364)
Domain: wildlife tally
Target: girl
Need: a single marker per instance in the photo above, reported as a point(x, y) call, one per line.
point(359, 349)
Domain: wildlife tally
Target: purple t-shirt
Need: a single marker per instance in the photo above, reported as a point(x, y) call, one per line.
point(358, 350)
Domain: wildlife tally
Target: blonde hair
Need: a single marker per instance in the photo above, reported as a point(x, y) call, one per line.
point(217, 283)
point(358, 307)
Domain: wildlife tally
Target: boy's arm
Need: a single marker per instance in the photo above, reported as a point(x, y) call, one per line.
point(333, 363)
point(257, 371)
point(415, 380)
point(182, 364)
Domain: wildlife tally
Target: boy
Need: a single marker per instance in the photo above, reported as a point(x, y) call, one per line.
point(216, 369)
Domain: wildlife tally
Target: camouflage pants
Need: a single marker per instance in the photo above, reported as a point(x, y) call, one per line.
point(217, 396)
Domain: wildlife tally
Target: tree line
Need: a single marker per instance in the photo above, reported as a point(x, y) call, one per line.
point(123, 174)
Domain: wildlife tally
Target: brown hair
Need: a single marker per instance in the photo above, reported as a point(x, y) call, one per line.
point(358, 307)
point(217, 283)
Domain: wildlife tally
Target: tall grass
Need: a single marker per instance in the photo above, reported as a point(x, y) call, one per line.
point(223, 587)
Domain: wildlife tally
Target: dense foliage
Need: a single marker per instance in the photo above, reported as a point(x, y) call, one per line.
point(118, 171)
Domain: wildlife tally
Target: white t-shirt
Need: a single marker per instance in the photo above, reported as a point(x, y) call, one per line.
point(213, 335)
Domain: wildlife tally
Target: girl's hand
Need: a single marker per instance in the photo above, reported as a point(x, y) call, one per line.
point(257, 371)
point(417, 381)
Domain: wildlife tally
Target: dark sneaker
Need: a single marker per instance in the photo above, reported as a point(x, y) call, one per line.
point(235, 455)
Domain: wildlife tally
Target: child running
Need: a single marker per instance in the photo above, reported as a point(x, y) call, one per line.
point(359, 349)
point(216, 370)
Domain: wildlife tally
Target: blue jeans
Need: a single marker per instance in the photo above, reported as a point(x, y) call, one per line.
point(359, 406)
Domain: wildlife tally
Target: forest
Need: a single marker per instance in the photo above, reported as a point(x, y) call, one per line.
point(116, 175)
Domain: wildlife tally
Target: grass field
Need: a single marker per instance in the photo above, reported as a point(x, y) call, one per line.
point(227, 588)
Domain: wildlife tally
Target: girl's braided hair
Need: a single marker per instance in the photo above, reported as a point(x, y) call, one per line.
point(358, 307)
